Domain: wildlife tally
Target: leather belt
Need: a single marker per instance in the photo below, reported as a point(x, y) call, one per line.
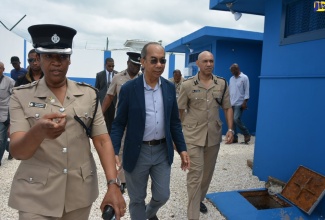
point(154, 142)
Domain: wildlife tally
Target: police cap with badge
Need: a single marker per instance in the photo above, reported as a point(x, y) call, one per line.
point(52, 38)
point(134, 57)
point(57, 39)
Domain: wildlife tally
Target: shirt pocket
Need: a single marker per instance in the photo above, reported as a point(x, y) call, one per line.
point(4, 93)
point(217, 97)
point(198, 100)
point(85, 114)
point(88, 171)
point(190, 125)
point(32, 114)
point(33, 174)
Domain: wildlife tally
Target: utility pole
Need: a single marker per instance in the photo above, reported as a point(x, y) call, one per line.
point(107, 42)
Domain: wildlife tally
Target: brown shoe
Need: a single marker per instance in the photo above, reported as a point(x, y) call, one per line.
point(247, 138)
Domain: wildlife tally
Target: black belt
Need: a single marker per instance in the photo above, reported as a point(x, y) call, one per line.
point(154, 142)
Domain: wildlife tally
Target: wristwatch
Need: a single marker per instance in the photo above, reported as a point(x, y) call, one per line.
point(116, 181)
point(231, 131)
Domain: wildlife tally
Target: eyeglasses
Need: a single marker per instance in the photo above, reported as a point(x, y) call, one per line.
point(155, 60)
point(110, 66)
point(31, 60)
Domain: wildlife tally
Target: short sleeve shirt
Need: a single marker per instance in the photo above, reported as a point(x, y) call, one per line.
point(201, 123)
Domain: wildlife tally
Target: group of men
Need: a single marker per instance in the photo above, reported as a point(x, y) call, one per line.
point(52, 119)
point(18, 76)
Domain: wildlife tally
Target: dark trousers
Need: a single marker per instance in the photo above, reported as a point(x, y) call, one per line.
point(109, 117)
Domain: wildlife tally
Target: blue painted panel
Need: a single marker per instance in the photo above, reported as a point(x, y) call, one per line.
point(248, 57)
point(171, 65)
point(290, 127)
point(291, 59)
point(234, 206)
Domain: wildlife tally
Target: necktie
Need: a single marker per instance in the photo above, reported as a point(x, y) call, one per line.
point(109, 78)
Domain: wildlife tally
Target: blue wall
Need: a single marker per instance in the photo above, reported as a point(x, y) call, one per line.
point(248, 56)
point(290, 121)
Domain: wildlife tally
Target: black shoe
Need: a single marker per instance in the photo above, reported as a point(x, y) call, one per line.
point(235, 141)
point(247, 138)
point(10, 157)
point(203, 208)
point(154, 218)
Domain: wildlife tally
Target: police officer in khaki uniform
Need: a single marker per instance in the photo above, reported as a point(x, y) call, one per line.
point(51, 122)
point(132, 71)
point(202, 96)
point(177, 80)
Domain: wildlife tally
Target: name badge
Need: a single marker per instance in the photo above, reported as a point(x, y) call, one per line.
point(194, 91)
point(37, 105)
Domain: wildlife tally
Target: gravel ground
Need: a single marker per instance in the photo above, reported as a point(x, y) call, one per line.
point(231, 173)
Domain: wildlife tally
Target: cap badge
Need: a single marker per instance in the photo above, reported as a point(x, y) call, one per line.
point(55, 38)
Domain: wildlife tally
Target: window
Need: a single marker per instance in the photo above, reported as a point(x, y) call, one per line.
point(300, 22)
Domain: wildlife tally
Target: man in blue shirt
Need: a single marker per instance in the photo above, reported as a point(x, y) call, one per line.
point(17, 71)
point(147, 107)
point(239, 95)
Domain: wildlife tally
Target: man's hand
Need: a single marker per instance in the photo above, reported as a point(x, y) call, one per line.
point(118, 162)
point(185, 160)
point(244, 106)
point(229, 137)
point(115, 199)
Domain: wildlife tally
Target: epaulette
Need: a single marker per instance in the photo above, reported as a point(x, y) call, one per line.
point(195, 82)
point(86, 84)
point(26, 86)
point(216, 82)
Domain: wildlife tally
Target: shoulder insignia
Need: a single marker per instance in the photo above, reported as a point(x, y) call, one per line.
point(192, 77)
point(195, 82)
point(86, 84)
point(219, 77)
point(26, 86)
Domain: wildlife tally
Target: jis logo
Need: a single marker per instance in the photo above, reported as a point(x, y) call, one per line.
point(319, 6)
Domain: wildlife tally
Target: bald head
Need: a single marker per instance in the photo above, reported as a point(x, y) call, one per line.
point(234, 69)
point(2, 68)
point(203, 54)
point(205, 62)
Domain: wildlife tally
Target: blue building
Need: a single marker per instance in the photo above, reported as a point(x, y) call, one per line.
point(291, 81)
point(290, 123)
point(228, 46)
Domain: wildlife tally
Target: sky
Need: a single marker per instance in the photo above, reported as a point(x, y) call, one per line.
point(122, 20)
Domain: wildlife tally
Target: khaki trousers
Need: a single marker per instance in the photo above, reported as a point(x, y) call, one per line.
point(203, 160)
point(80, 214)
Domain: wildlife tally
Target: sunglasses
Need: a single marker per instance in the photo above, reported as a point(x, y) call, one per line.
point(109, 66)
point(155, 60)
point(31, 60)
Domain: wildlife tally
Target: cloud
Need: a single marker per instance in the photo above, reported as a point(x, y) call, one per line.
point(119, 21)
